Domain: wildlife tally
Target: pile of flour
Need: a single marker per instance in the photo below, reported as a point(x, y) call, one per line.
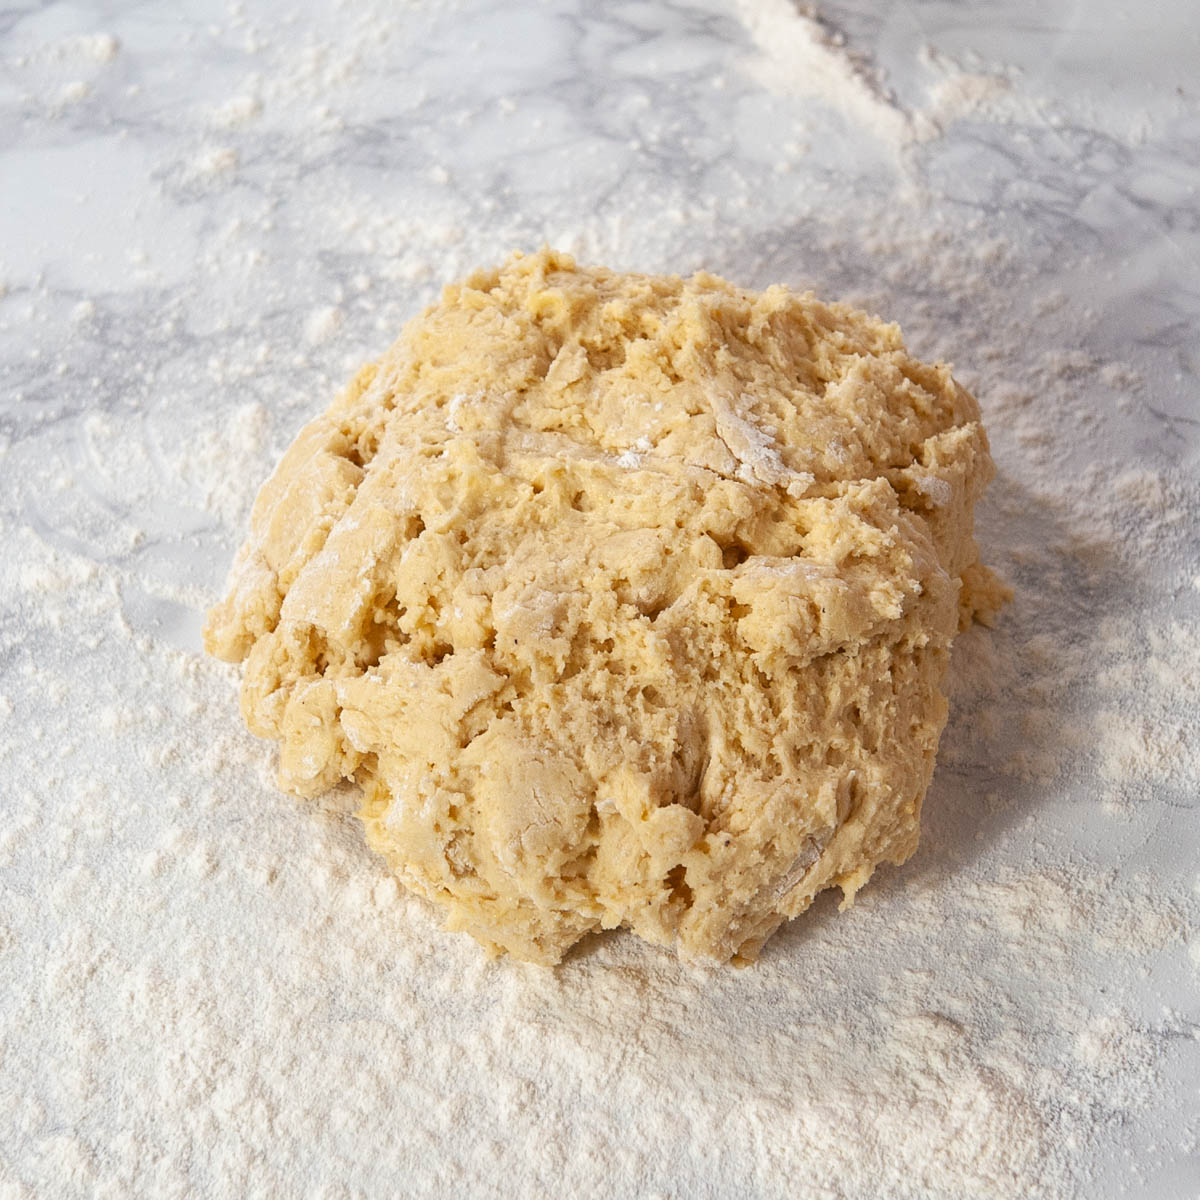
point(215, 989)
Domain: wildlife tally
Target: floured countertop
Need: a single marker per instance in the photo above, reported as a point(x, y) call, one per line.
point(209, 219)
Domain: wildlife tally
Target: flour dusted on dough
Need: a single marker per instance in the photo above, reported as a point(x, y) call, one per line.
point(625, 599)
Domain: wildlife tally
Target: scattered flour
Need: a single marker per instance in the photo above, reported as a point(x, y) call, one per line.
point(99, 47)
point(237, 110)
point(214, 990)
point(73, 93)
point(801, 55)
point(323, 323)
point(213, 161)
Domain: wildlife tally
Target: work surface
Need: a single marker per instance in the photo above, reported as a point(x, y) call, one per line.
point(209, 215)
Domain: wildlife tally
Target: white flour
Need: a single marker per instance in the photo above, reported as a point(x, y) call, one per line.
point(212, 989)
point(797, 52)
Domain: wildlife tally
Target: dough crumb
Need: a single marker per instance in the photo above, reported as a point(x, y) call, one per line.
point(626, 600)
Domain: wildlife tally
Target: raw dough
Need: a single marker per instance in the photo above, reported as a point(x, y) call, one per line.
point(625, 599)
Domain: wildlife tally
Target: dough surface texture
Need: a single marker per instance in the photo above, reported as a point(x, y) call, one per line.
point(626, 600)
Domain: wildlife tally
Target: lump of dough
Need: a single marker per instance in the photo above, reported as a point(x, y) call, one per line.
point(626, 600)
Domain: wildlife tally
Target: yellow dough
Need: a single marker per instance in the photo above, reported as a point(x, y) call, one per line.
point(625, 599)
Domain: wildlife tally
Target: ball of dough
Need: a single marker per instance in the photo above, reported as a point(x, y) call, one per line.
point(625, 599)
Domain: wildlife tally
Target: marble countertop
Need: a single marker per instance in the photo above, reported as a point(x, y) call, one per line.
point(210, 214)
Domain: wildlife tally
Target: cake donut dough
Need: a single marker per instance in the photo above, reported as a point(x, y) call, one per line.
point(626, 600)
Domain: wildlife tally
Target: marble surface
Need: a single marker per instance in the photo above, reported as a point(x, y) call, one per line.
point(211, 213)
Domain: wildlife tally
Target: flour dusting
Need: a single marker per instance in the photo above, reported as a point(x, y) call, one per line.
point(212, 989)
